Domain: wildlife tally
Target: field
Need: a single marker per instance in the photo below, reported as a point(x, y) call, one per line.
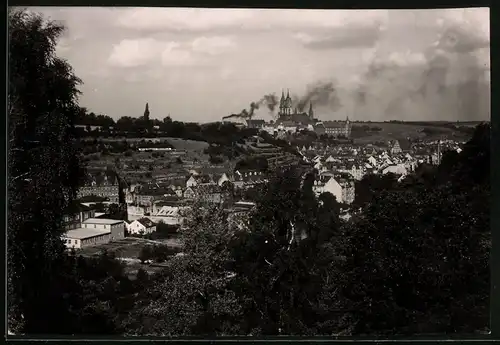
point(127, 250)
point(392, 131)
point(128, 247)
point(188, 145)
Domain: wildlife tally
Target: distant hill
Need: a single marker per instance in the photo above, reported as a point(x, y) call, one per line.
point(370, 132)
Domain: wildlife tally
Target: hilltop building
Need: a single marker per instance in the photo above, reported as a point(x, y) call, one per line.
point(334, 128)
point(288, 115)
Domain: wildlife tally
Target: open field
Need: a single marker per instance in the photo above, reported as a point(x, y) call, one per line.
point(188, 145)
point(127, 248)
point(392, 131)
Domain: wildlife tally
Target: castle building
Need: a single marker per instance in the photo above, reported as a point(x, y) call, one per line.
point(334, 128)
point(287, 114)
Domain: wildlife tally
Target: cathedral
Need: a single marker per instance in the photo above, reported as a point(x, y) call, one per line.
point(289, 117)
point(286, 114)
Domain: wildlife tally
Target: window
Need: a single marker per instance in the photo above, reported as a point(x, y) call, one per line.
point(94, 226)
point(104, 226)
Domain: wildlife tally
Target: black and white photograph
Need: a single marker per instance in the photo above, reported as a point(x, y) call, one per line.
point(212, 172)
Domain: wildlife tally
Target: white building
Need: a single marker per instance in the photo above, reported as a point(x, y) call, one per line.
point(171, 215)
point(398, 169)
point(115, 227)
point(223, 179)
point(83, 237)
point(141, 226)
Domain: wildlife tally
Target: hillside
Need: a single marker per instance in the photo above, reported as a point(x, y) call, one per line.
point(371, 132)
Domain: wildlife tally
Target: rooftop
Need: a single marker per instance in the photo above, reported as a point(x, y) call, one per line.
point(102, 221)
point(82, 233)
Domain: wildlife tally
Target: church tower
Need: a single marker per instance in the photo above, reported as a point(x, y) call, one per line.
point(285, 104)
point(282, 103)
point(347, 130)
point(146, 112)
point(311, 113)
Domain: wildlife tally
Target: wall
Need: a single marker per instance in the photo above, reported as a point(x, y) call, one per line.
point(118, 231)
point(334, 188)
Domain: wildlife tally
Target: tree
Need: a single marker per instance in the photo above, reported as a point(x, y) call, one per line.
point(43, 172)
point(275, 259)
point(145, 254)
point(192, 297)
point(418, 255)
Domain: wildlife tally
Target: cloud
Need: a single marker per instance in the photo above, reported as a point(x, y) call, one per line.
point(212, 45)
point(195, 19)
point(174, 54)
point(180, 19)
point(134, 52)
point(350, 36)
point(149, 51)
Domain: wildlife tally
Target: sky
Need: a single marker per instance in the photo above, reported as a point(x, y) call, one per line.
point(202, 64)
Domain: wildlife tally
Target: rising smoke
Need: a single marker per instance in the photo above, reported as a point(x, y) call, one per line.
point(322, 94)
point(446, 81)
point(269, 100)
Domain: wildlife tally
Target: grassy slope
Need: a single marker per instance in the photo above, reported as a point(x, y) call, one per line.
point(392, 131)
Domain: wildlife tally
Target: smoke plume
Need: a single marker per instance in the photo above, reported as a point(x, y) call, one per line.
point(269, 100)
point(321, 94)
point(445, 81)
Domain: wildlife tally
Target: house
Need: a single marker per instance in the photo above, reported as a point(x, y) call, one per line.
point(357, 172)
point(75, 214)
point(222, 179)
point(102, 184)
point(398, 169)
point(395, 147)
point(141, 226)
point(210, 193)
point(189, 193)
point(171, 215)
point(191, 182)
point(341, 188)
point(114, 226)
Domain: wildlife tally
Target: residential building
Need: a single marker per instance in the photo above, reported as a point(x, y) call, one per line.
point(75, 214)
point(102, 184)
point(141, 226)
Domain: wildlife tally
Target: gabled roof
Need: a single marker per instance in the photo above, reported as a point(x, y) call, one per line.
point(148, 223)
point(76, 207)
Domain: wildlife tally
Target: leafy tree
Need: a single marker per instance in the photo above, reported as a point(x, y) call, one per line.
point(274, 260)
point(418, 255)
point(43, 172)
point(145, 254)
point(192, 296)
